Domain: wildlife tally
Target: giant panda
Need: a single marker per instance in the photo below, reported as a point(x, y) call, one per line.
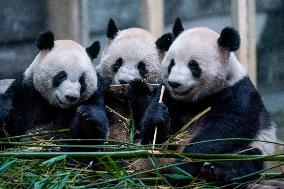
point(60, 89)
point(130, 54)
point(199, 71)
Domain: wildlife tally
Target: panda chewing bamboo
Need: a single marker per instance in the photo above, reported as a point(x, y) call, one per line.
point(130, 54)
point(199, 71)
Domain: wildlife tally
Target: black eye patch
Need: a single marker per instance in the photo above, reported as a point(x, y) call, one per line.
point(142, 69)
point(82, 82)
point(194, 68)
point(59, 78)
point(118, 63)
point(172, 64)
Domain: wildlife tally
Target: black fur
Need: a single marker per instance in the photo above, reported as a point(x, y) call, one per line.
point(93, 50)
point(82, 82)
point(177, 28)
point(31, 112)
point(139, 97)
point(194, 68)
point(171, 65)
point(118, 63)
point(225, 171)
point(236, 112)
point(45, 41)
point(142, 69)
point(111, 29)
point(230, 39)
point(59, 78)
point(164, 42)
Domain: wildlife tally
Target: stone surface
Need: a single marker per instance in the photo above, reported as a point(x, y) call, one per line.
point(21, 20)
point(15, 58)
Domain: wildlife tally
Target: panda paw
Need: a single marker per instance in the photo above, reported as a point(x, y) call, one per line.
point(91, 117)
point(156, 116)
point(217, 173)
point(84, 113)
point(138, 88)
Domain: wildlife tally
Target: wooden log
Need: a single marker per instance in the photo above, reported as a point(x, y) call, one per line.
point(63, 18)
point(243, 19)
point(152, 17)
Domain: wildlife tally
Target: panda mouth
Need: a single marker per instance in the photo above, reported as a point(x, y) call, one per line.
point(184, 93)
point(63, 103)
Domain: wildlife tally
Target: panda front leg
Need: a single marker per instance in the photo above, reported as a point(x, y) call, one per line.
point(156, 116)
point(233, 171)
point(139, 97)
point(90, 122)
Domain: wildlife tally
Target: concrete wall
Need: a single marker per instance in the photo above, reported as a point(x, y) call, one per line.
point(20, 23)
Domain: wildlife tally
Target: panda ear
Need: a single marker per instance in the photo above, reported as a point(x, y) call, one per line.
point(177, 28)
point(229, 39)
point(164, 42)
point(111, 29)
point(93, 50)
point(45, 41)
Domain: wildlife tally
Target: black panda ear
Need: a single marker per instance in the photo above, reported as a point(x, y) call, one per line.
point(230, 39)
point(177, 28)
point(93, 50)
point(164, 42)
point(45, 41)
point(111, 29)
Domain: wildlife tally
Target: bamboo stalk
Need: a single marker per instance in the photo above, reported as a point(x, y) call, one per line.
point(30, 144)
point(116, 113)
point(126, 85)
point(144, 154)
point(40, 133)
point(195, 118)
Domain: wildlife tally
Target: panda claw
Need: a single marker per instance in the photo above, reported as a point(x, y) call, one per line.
point(214, 172)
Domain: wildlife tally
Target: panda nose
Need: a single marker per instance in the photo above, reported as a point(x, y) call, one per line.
point(174, 84)
point(71, 98)
point(121, 81)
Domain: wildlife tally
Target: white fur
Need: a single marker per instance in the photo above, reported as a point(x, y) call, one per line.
point(200, 44)
point(268, 134)
point(132, 45)
point(220, 69)
point(66, 56)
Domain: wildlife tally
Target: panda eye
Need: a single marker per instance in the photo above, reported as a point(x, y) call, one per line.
point(118, 63)
point(59, 78)
point(172, 64)
point(82, 82)
point(142, 69)
point(194, 68)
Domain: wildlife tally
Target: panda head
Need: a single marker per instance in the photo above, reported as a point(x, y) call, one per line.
point(130, 54)
point(200, 62)
point(62, 72)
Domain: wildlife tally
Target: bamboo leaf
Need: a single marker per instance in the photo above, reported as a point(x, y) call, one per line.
point(40, 184)
point(177, 176)
point(54, 160)
point(64, 181)
point(6, 165)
